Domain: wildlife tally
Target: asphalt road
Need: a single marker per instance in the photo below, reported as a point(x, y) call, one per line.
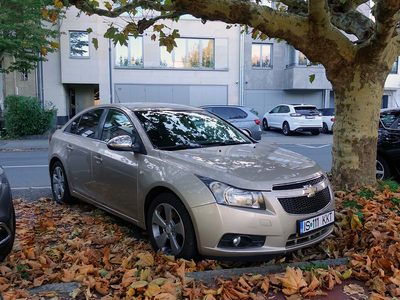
point(27, 172)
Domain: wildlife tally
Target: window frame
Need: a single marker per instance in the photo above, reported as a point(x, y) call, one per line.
point(71, 55)
point(260, 55)
point(187, 50)
point(395, 67)
point(129, 50)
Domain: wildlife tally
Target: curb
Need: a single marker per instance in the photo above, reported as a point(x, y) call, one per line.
point(208, 277)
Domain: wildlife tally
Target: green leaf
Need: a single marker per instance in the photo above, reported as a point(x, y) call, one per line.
point(89, 30)
point(95, 43)
point(93, 3)
point(312, 78)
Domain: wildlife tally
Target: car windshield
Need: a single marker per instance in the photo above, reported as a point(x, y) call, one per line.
point(389, 119)
point(174, 130)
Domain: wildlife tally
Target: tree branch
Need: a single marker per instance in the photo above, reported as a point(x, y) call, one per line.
point(319, 16)
point(386, 15)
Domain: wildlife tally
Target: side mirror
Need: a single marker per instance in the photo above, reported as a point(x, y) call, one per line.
point(124, 143)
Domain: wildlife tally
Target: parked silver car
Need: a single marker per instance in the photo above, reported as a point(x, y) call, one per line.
point(241, 117)
point(195, 182)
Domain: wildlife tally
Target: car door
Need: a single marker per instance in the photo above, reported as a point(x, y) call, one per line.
point(115, 173)
point(79, 141)
point(273, 117)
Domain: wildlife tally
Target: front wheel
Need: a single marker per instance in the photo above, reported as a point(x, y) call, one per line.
point(325, 128)
point(265, 125)
point(59, 184)
point(170, 227)
point(382, 168)
point(286, 128)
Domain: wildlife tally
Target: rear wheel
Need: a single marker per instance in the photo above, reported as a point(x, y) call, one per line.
point(8, 249)
point(315, 132)
point(382, 168)
point(170, 227)
point(59, 184)
point(265, 125)
point(286, 128)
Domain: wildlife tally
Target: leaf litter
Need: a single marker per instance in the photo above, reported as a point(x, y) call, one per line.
point(79, 243)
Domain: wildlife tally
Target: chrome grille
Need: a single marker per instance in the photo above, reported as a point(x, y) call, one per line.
point(306, 205)
point(298, 185)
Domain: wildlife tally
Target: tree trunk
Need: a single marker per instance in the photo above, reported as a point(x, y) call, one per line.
point(357, 106)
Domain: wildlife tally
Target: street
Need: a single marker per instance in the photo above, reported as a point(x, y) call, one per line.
point(27, 172)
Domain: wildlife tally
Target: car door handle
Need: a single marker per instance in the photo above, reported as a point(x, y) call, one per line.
point(70, 148)
point(98, 159)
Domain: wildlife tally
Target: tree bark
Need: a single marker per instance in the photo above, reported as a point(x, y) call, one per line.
point(357, 107)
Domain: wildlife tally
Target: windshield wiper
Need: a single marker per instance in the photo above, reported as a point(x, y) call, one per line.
point(179, 147)
point(225, 143)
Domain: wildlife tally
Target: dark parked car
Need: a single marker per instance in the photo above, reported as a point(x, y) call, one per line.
point(388, 158)
point(242, 117)
point(7, 217)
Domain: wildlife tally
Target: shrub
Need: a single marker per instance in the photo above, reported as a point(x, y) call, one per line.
point(25, 116)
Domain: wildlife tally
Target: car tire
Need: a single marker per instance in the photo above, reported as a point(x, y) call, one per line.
point(382, 168)
point(286, 128)
point(315, 132)
point(265, 125)
point(59, 184)
point(170, 227)
point(12, 228)
point(325, 128)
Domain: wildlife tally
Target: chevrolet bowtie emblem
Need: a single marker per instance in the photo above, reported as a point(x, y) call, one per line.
point(309, 191)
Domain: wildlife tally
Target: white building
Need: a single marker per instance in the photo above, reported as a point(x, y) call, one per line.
point(211, 65)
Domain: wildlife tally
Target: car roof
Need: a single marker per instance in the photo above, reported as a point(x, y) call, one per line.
point(216, 105)
point(137, 106)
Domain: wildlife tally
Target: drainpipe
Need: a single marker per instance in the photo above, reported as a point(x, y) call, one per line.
point(110, 69)
point(241, 65)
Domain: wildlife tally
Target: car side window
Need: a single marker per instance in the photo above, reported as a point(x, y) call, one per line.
point(88, 124)
point(276, 110)
point(284, 109)
point(117, 124)
point(237, 113)
point(222, 112)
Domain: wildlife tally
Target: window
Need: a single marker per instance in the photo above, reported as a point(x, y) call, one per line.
point(395, 67)
point(131, 55)
point(117, 124)
point(79, 44)
point(24, 76)
point(261, 56)
point(189, 53)
point(87, 125)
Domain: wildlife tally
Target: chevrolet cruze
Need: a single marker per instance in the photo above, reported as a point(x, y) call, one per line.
point(197, 184)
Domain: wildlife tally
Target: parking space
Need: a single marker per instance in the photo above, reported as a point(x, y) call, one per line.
point(276, 136)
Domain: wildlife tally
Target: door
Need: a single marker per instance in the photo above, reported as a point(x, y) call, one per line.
point(115, 173)
point(79, 142)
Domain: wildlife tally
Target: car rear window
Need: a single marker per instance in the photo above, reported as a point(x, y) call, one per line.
point(389, 119)
point(305, 110)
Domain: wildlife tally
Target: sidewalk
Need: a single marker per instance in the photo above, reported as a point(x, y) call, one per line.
point(41, 143)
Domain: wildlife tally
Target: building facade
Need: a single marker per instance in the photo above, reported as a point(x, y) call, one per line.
point(211, 65)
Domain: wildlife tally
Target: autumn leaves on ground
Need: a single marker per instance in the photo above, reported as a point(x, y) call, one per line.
point(57, 243)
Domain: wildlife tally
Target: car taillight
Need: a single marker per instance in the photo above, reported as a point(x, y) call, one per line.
point(295, 115)
point(50, 138)
point(257, 121)
point(332, 119)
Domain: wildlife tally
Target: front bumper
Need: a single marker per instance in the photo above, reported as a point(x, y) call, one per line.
point(273, 231)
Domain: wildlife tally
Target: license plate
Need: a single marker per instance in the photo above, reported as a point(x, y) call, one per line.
point(310, 117)
point(316, 222)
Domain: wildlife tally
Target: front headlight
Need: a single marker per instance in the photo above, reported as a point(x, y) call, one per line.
point(226, 194)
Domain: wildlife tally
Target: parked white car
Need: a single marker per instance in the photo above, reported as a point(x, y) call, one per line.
point(328, 118)
point(293, 117)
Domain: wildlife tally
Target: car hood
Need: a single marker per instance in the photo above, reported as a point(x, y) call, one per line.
point(246, 165)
